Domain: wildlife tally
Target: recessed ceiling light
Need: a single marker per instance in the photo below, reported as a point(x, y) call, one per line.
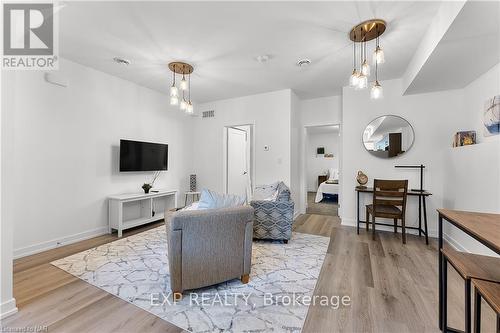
point(121, 61)
point(303, 62)
point(263, 58)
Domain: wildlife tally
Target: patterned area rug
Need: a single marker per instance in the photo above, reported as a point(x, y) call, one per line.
point(136, 269)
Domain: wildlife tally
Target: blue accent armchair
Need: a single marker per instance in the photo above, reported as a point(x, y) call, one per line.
point(274, 219)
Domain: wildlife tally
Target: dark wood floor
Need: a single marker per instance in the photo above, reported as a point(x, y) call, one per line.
point(393, 288)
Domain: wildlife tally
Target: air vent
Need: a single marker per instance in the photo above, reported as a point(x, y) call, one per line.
point(208, 114)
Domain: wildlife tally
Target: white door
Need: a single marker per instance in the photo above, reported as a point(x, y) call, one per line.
point(237, 177)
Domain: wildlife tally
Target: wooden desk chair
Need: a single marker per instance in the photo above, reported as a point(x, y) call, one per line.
point(389, 201)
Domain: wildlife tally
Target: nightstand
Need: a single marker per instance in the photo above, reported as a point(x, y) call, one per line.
point(322, 178)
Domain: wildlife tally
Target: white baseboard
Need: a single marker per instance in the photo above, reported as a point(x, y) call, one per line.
point(456, 245)
point(8, 308)
point(52, 244)
point(352, 223)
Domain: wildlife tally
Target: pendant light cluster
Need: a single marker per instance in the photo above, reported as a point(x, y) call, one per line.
point(182, 95)
point(360, 34)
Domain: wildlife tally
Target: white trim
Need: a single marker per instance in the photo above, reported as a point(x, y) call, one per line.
point(296, 214)
point(453, 242)
point(352, 223)
point(8, 308)
point(52, 244)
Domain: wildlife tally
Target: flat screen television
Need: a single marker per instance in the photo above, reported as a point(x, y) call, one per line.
point(143, 156)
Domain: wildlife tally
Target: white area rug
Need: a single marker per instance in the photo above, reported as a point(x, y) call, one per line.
point(136, 269)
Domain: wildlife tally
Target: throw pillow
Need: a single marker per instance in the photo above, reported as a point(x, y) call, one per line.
point(212, 200)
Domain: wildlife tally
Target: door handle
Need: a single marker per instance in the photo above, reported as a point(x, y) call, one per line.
point(244, 172)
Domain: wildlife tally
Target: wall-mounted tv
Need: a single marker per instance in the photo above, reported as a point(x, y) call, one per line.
point(143, 156)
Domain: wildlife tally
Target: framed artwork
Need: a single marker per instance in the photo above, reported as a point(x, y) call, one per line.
point(491, 116)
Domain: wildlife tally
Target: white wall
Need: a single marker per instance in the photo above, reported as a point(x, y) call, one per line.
point(270, 115)
point(317, 164)
point(63, 146)
point(7, 302)
point(472, 180)
point(295, 151)
point(435, 117)
point(314, 112)
point(321, 111)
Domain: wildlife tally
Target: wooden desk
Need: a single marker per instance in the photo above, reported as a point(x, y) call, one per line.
point(483, 227)
point(421, 204)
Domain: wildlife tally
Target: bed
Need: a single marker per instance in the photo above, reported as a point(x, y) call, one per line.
point(327, 187)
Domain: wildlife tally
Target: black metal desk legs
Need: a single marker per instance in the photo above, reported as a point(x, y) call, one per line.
point(419, 216)
point(440, 264)
point(357, 212)
point(425, 222)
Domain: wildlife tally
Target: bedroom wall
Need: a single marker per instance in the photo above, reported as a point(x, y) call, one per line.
point(270, 115)
point(435, 117)
point(62, 150)
point(318, 164)
point(472, 178)
point(314, 112)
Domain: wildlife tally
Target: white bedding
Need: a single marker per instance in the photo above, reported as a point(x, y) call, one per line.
point(326, 188)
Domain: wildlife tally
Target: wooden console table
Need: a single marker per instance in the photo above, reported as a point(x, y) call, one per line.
point(134, 209)
point(483, 227)
point(421, 204)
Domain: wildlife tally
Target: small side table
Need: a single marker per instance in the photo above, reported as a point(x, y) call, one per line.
point(322, 179)
point(193, 195)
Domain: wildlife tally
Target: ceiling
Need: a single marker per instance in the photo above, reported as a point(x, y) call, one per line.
point(222, 40)
point(470, 47)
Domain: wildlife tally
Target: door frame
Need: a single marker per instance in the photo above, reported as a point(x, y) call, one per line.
point(252, 154)
point(303, 176)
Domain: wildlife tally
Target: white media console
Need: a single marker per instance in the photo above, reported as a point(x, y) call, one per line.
point(134, 209)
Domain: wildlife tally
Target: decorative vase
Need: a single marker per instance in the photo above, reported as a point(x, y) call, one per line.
point(146, 188)
point(362, 179)
point(192, 183)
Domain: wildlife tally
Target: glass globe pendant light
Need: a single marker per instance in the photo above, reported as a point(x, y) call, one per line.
point(377, 92)
point(174, 100)
point(184, 84)
point(174, 92)
point(362, 33)
point(183, 104)
point(189, 107)
point(378, 54)
point(362, 81)
point(365, 68)
point(353, 79)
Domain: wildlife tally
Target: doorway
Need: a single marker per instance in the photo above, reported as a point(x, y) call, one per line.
point(322, 165)
point(238, 160)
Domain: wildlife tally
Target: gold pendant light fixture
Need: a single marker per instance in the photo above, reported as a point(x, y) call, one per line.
point(185, 70)
point(360, 35)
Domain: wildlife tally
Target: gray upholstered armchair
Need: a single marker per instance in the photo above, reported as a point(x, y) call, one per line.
point(208, 246)
point(274, 218)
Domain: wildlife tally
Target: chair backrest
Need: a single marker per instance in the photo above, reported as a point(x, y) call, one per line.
point(390, 192)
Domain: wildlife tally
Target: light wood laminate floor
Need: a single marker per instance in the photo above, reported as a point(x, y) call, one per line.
point(393, 288)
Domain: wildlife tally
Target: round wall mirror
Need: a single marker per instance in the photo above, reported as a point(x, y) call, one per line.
point(388, 136)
